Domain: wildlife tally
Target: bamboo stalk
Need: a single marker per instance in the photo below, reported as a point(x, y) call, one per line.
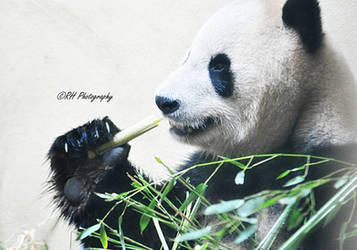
point(126, 135)
point(269, 239)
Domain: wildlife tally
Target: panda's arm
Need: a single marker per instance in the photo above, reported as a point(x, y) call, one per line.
point(75, 179)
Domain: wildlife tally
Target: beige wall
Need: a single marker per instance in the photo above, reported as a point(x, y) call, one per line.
point(126, 48)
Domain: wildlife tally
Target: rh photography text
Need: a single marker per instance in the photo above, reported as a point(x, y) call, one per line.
point(82, 95)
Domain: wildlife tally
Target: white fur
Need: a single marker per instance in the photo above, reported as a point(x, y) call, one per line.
point(277, 85)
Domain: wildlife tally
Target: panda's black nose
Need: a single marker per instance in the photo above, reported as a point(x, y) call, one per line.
point(167, 105)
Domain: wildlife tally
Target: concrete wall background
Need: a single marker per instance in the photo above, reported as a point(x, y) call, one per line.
point(126, 48)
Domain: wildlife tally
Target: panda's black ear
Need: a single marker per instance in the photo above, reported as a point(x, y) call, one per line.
point(304, 16)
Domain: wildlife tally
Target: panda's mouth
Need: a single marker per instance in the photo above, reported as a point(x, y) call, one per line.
point(190, 129)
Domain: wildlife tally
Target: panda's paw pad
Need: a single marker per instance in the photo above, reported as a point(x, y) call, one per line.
point(77, 142)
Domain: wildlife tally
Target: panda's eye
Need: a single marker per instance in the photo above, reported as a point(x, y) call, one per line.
point(221, 75)
point(219, 63)
point(218, 67)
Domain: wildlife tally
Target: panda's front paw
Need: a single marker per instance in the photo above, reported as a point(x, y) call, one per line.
point(74, 174)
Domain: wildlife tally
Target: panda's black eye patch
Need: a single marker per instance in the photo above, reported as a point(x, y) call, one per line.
point(219, 67)
point(221, 75)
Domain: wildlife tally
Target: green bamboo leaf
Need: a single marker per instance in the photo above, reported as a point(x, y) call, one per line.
point(145, 218)
point(270, 202)
point(249, 220)
point(199, 190)
point(204, 246)
point(158, 160)
point(88, 231)
point(223, 207)
point(250, 206)
point(287, 200)
point(117, 197)
point(121, 234)
point(283, 174)
point(246, 233)
point(294, 181)
point(136, 185)
point(103, 236)
point(351, 234)
point(340, 182)
point(299, 168)
point(238, 164)
point(104, 196)
point(168, 188)
point(194, 234)
point(112, 196)
point(295, 219)
point(221, 233)
point(239, 180)
point(311, 184)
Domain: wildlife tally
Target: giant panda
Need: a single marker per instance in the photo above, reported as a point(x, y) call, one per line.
point(260, 77)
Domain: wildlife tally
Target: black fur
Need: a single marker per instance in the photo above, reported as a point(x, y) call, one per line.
point(264, 177)
point(75, 178)
point(221, 75)
point(72, 170)
point(304, 17)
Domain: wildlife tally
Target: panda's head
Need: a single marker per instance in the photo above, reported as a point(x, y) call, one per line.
point(240, 86)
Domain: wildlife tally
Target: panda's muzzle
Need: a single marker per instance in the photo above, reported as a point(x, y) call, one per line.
point(167, 105)
point(190, 130)
point(181, 128)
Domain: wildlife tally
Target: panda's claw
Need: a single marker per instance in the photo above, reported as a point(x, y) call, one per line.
point(77, 142)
